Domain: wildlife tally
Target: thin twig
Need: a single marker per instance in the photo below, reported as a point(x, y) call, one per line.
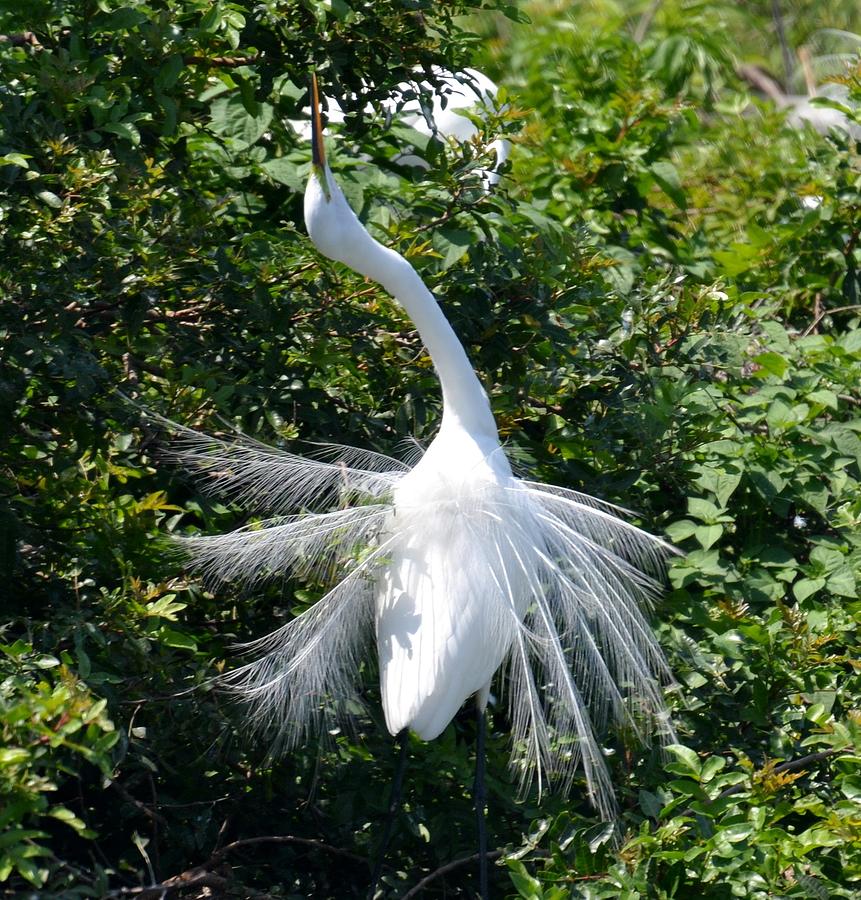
point(283, 839)
point(762, 82)
point(194, 878)
point(150, 813)
point(828, 312)
point(201, 876)
point(789, 766)
point(447, 869)
point(646, 21)
point(223, 62)
point(785, 52)
point(156, 850)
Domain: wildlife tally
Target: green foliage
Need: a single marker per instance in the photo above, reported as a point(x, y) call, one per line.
point(662, 301)
point(50, 724)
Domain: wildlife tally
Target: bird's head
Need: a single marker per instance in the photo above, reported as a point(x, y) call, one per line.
point(332, 225)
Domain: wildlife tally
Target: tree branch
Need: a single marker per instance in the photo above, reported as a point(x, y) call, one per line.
point(201, 876)
point(283, 839)
point(222, 62)
point(446, 869)
point(828, 312)
point(789, 766)
point(25, 39)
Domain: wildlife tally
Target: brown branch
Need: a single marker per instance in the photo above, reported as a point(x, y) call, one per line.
point(150, 813)
point(646, 21)
point(193, 878)
point(24, 39)
point(283, 839)
point(828, 312)
point(201, 876)
point(789, 766)
point(446, 869)
point(556, 408)
point(451, 213)
point(761, 82)
point(135, 362)
point(222, 62)
point(803, 761)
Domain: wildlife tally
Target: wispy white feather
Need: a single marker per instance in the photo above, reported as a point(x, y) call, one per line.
point(265, 477)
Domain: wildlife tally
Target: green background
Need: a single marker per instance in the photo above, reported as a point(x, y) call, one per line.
point(662, 302)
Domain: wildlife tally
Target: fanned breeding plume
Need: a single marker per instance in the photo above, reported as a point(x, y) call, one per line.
point(562, 577)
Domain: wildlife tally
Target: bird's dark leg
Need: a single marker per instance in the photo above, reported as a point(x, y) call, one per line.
point(480, 796)
point(403, 742)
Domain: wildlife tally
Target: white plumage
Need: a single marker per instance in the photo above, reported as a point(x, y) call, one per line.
point(456, 566)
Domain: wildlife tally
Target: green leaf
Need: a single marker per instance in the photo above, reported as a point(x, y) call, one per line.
point(771, 364)
point(13, 756)
point(15, 159)
point(47, 662)
point(767, 483)
point(805, 587)
point(702, 509)
point(67, 817)
point(711, 767)
point(719, 482)
point(737, 832)
point(843, 582)
point(452, 243)
point(19, 835)
point(824, 398)
point(169, 72)
point(687, 757)
point(176, 639)
point(681, 530)
point(166, 607)
point(850, 787)
point(127, 130)
point(708, 535)
point(50, 198)
point(284, 172)
point(232, 122)
point(527, 886)
point(667, 177)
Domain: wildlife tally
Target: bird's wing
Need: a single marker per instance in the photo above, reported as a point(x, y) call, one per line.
point(605, 524)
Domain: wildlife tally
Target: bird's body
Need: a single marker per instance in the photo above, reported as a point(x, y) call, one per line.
point(442, 628)
point(464, 568)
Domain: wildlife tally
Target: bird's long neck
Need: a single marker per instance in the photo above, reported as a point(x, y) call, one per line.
point(464, 399)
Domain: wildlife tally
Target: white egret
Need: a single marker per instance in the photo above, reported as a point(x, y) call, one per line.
point(456, 567)
point(826, 57)
point(434, 108)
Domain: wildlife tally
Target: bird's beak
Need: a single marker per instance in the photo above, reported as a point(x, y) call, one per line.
point(318, 151)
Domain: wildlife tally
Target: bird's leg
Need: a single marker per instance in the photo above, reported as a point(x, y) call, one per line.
point(403, 742)
point(480, 796)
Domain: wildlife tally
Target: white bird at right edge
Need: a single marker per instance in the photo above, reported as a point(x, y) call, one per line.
point(460, 571)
